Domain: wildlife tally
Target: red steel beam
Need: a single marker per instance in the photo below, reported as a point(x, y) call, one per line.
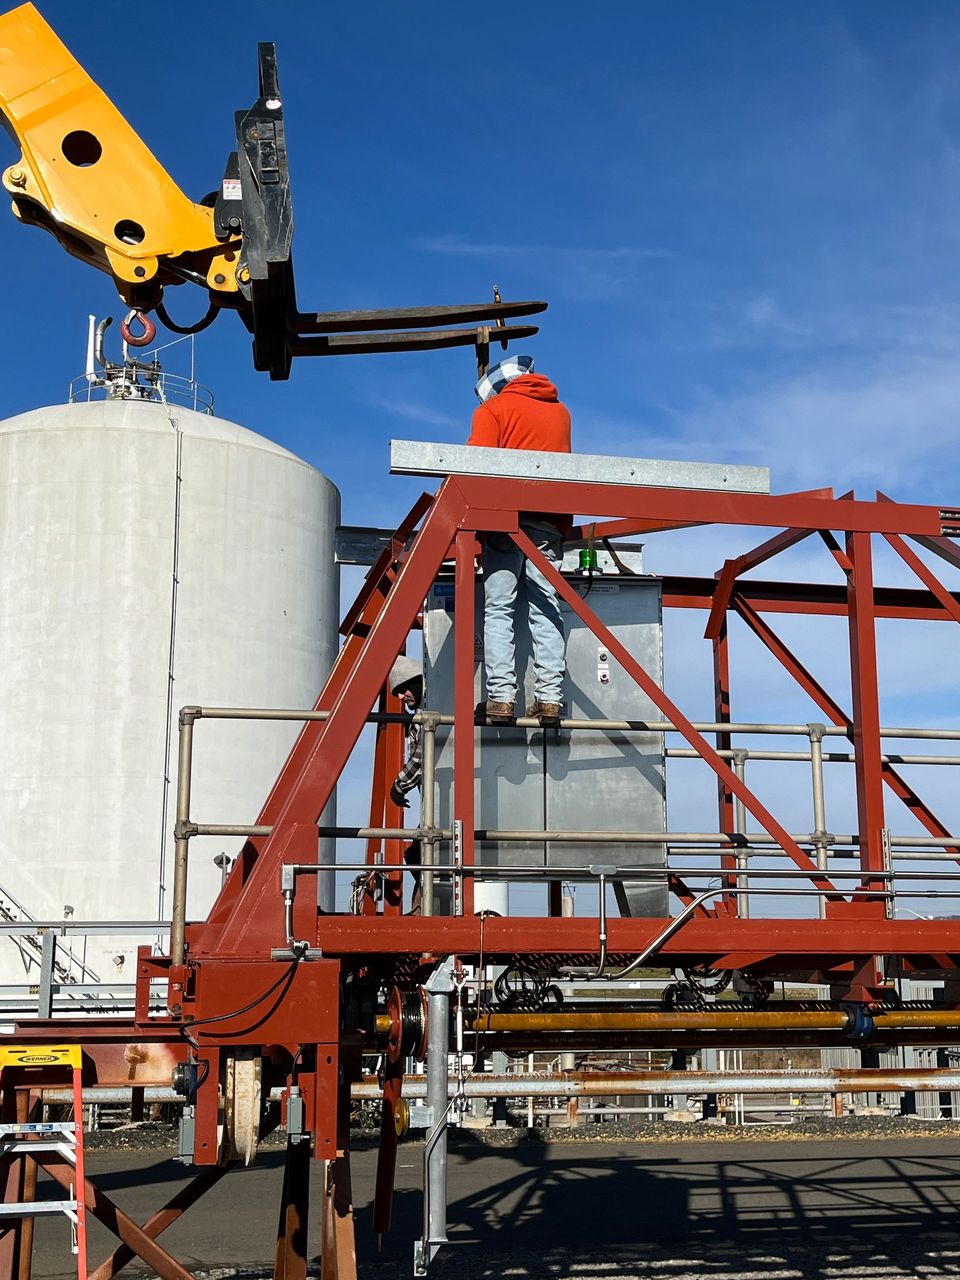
point(925, 574)
point(255, 922)
point(159, 1221)
point(867, 747)
point(387, 558)
point(943, 547)
point(700, 506)
point(897, 783)
point(671, 712)
point(464, 732)
point(725, 799)
point(732, 570)
point(833, 546)
point(824, 599)
point(625, 528)
point(787, 939)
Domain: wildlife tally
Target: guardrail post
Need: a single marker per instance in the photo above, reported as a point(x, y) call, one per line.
point(48, 958)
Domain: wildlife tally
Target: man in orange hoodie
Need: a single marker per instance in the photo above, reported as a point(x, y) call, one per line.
point(520, 409)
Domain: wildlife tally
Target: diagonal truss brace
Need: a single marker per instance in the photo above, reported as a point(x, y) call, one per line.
point(897, 783)
point(672, 713)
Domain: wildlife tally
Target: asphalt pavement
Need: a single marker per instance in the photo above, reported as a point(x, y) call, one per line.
point(839, 1210)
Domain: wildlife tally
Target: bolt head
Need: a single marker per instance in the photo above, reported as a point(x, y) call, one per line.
point(219, 278)
point(17, 177)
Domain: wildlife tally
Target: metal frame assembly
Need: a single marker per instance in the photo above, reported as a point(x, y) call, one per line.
point(268, 1006)
point(86, 177)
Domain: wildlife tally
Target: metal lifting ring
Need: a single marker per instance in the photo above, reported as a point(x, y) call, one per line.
point(141, 318)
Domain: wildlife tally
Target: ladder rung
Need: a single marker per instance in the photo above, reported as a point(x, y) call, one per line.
point(34, 1208)
point(45, 1126)
point(67, 1149)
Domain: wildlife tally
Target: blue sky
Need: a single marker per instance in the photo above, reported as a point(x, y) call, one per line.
point(745, 217)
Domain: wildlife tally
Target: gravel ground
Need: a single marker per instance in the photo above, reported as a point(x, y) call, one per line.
point(154, 1136)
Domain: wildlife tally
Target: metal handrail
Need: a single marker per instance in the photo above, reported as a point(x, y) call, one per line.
point(162, 388)
point(743, 844)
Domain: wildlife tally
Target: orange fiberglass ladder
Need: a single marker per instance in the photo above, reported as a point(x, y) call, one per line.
point(47, 1142)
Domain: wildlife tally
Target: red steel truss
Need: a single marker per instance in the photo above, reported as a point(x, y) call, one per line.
point(241, 986)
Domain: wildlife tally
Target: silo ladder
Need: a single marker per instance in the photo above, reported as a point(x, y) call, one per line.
point(45, 1141)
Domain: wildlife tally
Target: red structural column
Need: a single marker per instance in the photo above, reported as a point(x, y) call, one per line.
point(464, 733)
point(866, 707)
point(393, 813)
point(725, 800)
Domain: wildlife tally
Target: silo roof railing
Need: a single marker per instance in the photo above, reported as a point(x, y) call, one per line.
point(157, 388)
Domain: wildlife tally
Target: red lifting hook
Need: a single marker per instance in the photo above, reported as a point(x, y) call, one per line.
point(141, 318)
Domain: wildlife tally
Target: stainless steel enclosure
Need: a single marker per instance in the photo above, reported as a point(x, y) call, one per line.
point(560, 780)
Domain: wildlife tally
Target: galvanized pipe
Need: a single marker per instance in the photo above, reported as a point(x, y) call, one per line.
point(439, 987)
point(99, 1093)
point(522, 722)
point(182, 838)
point(742, 856)
point(623, 1084)
point(428, 816)
point(590, 870)
point(713, 1020)
point(830, 757)
point(586, 1084)
point(721, 839)
point(820, 834)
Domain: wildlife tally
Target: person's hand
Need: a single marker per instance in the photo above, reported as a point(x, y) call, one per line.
point(399, 798)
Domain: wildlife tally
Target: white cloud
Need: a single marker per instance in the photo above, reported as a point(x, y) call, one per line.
point(579, 272)
point(416, 411)
point(891, 427)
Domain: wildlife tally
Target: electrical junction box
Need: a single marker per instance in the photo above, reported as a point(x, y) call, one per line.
point(564, 780)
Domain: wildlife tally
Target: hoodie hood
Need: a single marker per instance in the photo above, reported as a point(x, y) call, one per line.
point(497, 377)
point(403, 672)
point(533, 385)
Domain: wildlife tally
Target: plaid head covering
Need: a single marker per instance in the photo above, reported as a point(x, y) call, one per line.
point(495, 379)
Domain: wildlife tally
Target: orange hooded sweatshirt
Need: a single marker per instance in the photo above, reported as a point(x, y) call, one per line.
point(526, 414)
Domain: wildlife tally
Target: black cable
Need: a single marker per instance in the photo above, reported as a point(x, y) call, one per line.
point(286, 976)
point(203, 323)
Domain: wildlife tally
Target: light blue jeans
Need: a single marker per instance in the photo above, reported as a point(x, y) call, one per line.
point(506, 574)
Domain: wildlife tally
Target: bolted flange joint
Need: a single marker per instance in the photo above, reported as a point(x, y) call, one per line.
point(860, 1024)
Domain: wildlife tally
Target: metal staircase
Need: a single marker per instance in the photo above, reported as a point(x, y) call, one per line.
point(70, 969)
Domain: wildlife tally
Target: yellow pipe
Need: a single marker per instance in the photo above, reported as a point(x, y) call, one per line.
point(709, 1020)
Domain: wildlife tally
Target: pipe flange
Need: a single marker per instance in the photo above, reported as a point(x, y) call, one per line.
point(859, 1021)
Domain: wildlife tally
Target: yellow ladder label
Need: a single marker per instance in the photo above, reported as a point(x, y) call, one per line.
point(68, 1056)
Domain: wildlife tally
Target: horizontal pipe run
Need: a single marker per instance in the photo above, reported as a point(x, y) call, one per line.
point(625, 1084)
point(591, 873)
point(710, 1020)
point(595, 1085)
point(100, 1093)
point(825, 1020)
point(522, 722)
point(91, 927)
point(511, 836)
point(829, 757)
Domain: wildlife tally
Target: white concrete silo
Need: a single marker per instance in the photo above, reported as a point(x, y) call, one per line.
point(150, 557)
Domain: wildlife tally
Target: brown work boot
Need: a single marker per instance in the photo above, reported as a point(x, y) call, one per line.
point(497, 712)
point(548, 713)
